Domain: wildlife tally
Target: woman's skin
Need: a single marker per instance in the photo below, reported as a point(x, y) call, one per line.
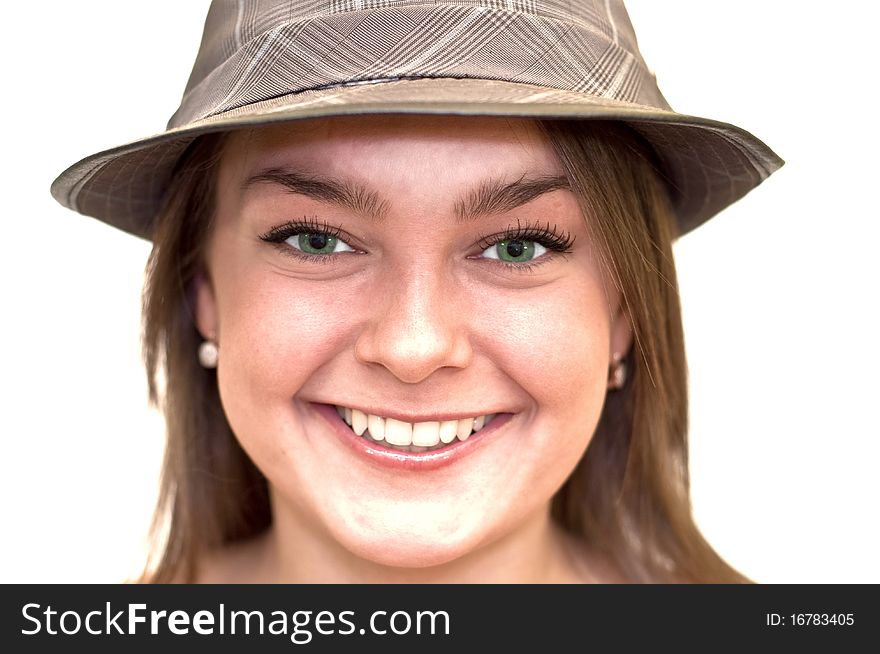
point(412, 316)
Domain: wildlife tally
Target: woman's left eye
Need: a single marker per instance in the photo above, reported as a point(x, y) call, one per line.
point(317, 243)
point(514, 251)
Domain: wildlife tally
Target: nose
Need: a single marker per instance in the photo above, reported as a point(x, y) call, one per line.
point(418, 327)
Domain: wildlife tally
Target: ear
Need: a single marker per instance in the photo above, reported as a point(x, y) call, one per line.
point(205, 306)
point(621, 332)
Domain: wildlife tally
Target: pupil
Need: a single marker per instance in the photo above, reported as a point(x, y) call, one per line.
point(515, 249)
point(318, 241)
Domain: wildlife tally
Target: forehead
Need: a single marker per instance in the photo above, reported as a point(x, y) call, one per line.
point(369, 145)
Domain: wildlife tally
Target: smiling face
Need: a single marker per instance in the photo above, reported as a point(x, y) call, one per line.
point(409, 274)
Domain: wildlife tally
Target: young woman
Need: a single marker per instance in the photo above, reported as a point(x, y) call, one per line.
point(411, 310)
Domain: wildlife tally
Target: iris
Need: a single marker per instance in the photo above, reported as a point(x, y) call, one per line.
point(515, 251)
point(316, 243)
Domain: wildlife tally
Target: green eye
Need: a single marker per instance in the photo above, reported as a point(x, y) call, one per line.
point(515, 251)
point(317, 243)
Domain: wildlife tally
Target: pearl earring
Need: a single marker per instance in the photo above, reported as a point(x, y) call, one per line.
point(208, 354)
point(617, 372)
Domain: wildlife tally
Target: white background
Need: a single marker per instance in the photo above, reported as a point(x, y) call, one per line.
point(779, 291)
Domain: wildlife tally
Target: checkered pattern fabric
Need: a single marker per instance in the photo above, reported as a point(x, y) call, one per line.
point(257, 50)
point(269, 60)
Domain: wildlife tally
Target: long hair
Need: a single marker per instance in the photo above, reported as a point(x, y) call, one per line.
point(628, 497)
point(210, 493)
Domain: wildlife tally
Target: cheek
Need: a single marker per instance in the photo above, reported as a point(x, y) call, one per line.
point(274, 333)
point(555, 345)
point(556, 350)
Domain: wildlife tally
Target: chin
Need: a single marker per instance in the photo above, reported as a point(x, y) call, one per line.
point(407, 553)
point(422, 545)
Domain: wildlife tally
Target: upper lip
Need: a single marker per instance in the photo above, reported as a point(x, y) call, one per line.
point(432, 416)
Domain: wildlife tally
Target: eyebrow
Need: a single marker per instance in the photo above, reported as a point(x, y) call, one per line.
point(325, 189)
point(495, 196)
point(492, 196)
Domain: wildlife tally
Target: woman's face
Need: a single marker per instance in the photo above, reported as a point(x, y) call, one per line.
point(356, 263)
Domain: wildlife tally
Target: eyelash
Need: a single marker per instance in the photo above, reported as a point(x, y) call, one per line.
point(549, 236)
point(279, 234)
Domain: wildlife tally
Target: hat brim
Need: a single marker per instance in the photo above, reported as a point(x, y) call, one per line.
point(707, 164)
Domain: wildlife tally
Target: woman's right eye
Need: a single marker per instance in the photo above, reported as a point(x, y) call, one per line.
point(308, 239)
point(317, 243)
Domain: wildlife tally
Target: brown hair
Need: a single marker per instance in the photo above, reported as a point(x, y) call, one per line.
point(628, 497)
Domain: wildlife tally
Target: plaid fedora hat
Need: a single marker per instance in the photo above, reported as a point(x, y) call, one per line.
point(265, 61)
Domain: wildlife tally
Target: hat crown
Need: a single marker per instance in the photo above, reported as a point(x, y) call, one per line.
point(255, 50)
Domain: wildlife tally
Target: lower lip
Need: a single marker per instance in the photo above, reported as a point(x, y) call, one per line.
point(414, 461)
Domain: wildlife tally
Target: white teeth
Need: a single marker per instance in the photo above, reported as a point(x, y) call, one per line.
point(464, 428)
point(412, 437)
point(448, 428)
point(397, 432)
point(358, 422)
point(426, 434)
point(376, 425)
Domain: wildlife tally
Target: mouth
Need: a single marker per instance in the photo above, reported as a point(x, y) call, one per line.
point(412, 436)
